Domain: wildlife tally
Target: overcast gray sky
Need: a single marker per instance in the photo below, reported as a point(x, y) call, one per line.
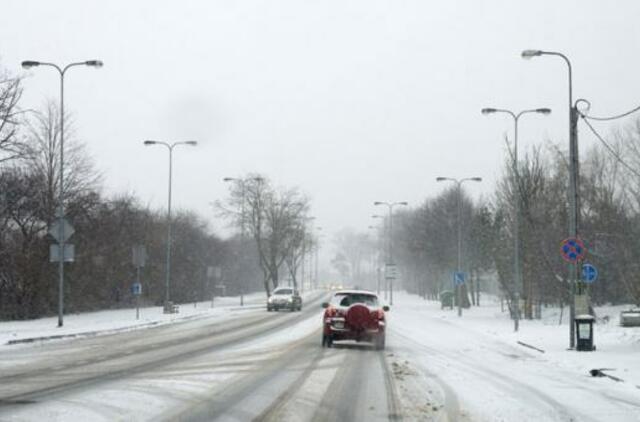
point(352, 101)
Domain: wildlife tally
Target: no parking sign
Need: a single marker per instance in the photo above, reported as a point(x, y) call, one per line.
point(572, 249)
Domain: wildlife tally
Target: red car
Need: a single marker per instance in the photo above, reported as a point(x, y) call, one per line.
point(354, 315)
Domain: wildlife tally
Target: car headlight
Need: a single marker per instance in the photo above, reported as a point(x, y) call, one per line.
point(270, 300)
point(290, 299)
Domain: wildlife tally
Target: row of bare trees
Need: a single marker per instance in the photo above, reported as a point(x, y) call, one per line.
point(609, 210)
point(425, 241)
point(106, 228)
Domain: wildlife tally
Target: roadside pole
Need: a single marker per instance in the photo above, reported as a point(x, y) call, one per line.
point(139, 258)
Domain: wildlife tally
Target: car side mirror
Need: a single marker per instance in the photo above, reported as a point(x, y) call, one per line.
point(386, 308)
point(325, 304)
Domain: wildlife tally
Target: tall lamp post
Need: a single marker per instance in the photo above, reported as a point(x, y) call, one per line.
point(377, 261)
point(382, 247)
point(459, 183)
point(574, 215)
point(28, 64)
point(315, 284)
point(168, 262)
point(517, 287)
point(242, 183)
point(390, 206)
point(304, 252)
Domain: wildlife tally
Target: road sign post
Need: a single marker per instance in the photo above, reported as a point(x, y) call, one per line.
point(136, 291)
point(458, 282)
point(390, 274)
point(572, 250)
point(139, 259)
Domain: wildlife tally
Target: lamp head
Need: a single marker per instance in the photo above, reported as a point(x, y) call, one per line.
point(488, 110)
point(527, 54)
point(403, 203)
point(476, 179)
point(440, 179)
point(192, 143)
point(228, 179)
point(377, 203)
point(28, 64)
point(543, 110)
point(150, 142)
point(94, 63)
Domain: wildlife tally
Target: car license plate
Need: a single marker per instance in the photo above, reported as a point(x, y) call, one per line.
point(338, 324)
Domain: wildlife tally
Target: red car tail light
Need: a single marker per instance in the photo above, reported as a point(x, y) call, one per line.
point(378, 314)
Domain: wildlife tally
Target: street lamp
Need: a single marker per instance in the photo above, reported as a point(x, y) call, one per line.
point(315, 284)
point(170, 147)
point(459, 183)
point(377, 261)
point(390, 206)
point(516, 259)
point(242, 182)
point(28, 64)
point(574, 215)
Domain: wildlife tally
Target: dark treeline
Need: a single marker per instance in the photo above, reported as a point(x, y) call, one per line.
point(106, 228)
point(272, 226)
point(425, 237)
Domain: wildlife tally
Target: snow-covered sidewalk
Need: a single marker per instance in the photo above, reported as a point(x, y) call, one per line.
point(111, 321)
point(616, 347)
point(484, 373)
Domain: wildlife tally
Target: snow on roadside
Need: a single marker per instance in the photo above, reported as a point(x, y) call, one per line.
point(109, 321)
point(477, 362)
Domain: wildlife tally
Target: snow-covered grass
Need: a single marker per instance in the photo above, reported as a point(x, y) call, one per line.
point(485, 374)
point(616, 347)
point(103, 322)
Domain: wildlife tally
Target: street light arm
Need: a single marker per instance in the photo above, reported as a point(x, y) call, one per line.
point(151, 142)
point(191, 143)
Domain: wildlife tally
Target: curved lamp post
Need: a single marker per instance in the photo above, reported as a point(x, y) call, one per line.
point(170, 147)
point(516, 229)
point(459, 183)
point(574, 192)
point(28, 64)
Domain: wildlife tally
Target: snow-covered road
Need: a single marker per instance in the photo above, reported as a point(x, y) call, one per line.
point(254, 365)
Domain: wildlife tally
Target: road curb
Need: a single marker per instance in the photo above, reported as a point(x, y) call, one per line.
point(103, 332)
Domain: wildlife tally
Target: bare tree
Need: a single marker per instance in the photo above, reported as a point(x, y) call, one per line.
point(43, 157)
point(11, 117)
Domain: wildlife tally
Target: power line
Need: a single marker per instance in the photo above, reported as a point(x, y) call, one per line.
point(609, 147)
point(616, 117)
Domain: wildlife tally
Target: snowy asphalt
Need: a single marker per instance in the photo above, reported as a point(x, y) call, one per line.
point(269, 366)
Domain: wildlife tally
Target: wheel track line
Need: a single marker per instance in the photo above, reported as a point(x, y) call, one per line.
point(86, 381)
point(273, 411)
point(394, 405)
point(502, 381)
point(451, 402)
point(243, 386)
point(155, 331)
point(328, 409)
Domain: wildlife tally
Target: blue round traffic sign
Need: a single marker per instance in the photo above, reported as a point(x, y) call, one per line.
point(589, 273)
